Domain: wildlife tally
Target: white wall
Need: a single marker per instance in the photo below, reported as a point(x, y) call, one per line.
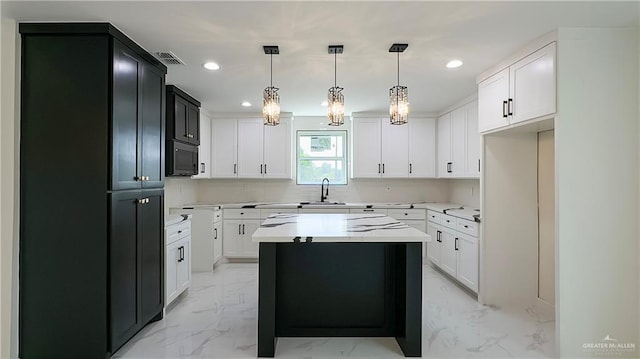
point(9, 190)
point(597, 185)
point(179, 191)
point(465, 191)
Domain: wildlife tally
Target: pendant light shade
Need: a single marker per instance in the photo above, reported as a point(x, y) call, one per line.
point(270, 97)
point(335, 100)
point(398, 95)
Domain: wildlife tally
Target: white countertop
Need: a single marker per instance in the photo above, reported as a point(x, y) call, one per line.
point(176, 218)
point(337, 228)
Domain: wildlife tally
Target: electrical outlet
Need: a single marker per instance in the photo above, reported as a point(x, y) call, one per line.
point(388, 188)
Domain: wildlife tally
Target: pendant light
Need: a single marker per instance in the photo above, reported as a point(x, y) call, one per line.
point(335, 103)
point(398, 95)
point(271, 100)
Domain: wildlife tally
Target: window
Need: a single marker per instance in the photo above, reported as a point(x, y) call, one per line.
point(322, 154)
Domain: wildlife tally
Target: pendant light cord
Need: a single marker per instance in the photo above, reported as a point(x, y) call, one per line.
point(398, 69)
point(271, 72)
point(335, 69)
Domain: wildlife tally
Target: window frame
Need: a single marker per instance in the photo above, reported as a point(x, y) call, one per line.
point(345, 157)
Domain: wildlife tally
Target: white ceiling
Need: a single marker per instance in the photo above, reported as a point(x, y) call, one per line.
point(232, 34)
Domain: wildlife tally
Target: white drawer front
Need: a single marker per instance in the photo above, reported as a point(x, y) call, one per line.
point(449, 221)
point(433, 216)
point(401, 214)
point(325, 210)
point(264, 213)
point(217, 216)
point(242, 213)
point(467, 227)
point(368, 210)
point(177, 231)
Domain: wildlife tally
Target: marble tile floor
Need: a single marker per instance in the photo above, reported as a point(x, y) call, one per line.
point(217, 318)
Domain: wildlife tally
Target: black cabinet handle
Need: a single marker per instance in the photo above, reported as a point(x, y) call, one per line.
point(260, 169)
point(383, 168)
point(410, 168)
point(456, 244)
point(465, 226)
point(378, 168)
point(265, 168)
point(438, 239)
point(367, 210)
point(243, 229)
point(449, 167)
point(235, 168)
point(478, 165)
point(510, 107)
point(215, 230)
point(202, 167)
point(504, 109)
point(239, 229)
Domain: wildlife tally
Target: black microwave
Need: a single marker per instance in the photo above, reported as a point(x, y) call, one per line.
point(182, 159)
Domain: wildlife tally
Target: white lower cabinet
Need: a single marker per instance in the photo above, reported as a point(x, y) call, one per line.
point(453, 251)
point(238, 227)
point(177, 260)
point(217, 237)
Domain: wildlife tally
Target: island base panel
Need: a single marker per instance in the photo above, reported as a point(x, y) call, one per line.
point(340, 290)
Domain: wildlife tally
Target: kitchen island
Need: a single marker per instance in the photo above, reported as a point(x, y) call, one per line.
point(339, 275)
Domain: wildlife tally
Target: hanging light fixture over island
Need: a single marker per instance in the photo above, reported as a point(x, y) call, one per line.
point(398, 95)
point(271, 99)
point(335, 103)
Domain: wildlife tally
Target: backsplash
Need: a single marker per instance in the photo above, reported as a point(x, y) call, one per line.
point(465, 191)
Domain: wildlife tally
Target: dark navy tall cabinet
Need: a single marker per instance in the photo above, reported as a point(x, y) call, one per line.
point(91, 190)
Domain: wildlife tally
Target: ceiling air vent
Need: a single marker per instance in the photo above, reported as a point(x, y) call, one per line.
point(169, 58)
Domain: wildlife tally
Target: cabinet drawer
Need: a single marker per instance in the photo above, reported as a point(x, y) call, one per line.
point(242, 213)
point(433, 216)
point(324, 210)
point(368, 210)
point(217, 216)
point(467, 227)
point(448, 221)
point(401, 214)
point(264, 213)
point(177, 231)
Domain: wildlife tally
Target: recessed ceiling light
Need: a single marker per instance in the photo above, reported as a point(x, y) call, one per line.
point(246, 104)
point(211, 66)
point(324, 103)
point(454, 63)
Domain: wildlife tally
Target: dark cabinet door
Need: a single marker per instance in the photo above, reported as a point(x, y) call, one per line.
point(180, 118)
point(151, 217)
point(126, 154)
point(124, 267)
point(193, 119)
point(152, 127)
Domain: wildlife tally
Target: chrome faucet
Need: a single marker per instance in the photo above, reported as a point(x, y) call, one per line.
point(323, 194)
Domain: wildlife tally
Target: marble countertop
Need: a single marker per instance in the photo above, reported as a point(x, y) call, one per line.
point(336, 228)
point(176, 218)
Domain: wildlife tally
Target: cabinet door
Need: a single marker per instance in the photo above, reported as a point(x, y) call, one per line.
point(124, 267)
point(458, 165)
point(193, 124)
point(277, 150)
point(249, 247)
point(448, 253)
point(231, 237)
point(366, 148)
point(124, 124)
point(492, 101)
point(152, 246)
point(467, 261)
point(444, 146)
point(433, 247)
point(422, 147)
point(473, 141)
point(217, 242)
point(152, 127)
point(224, 148)
point(204, 150)
point(172, 255)
point(533, 85)
point(250, 155)
point(180, 119)
point(183, 275)
point(395, 150)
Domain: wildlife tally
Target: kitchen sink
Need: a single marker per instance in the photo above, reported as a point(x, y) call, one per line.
point(321, 203)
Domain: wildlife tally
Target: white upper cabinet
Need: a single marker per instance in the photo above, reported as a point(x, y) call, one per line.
point(366, 148)
point(459, 143)
point(224, 148)
point(381, 149)
point(524, 91)
point(250, 155)
point(204, 149)
point(395, 149)
point(422, 148)
point(246, 148)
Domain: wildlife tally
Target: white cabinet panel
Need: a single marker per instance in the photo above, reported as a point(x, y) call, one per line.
point(467, 270)
point(366, 148)
point(204, 150)
point(249, 247)
point(458, 164)
point(183, 276)
point(217, 242)
point(395, 150)
point(171, 272)
point(325, 210)
point(473, 141)
point(533, 89)
point(250, 151)
point(444, 145)
point(433, 247)
point(277, 150)
point(224, 148)
point(232, 234)
point(422, 147)
point(368, 210)
point(448, 253)
point(493, 94)
point(177, 260)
